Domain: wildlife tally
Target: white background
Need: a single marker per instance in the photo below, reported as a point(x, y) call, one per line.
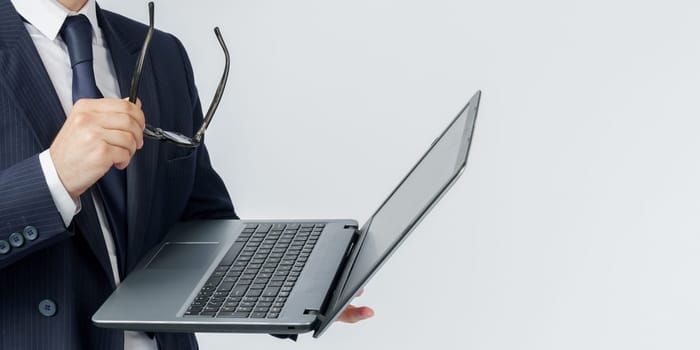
point(576, 223)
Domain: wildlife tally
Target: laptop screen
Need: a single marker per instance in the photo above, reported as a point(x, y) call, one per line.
point(411, 200)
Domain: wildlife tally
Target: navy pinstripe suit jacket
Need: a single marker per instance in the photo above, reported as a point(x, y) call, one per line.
point(165, 184)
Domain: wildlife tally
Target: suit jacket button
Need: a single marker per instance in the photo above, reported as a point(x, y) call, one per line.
point(47, 307)
point(4, 247)
point(16, 240)
point(30, 233)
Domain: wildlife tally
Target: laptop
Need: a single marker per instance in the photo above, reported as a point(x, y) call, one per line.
point(280, 276)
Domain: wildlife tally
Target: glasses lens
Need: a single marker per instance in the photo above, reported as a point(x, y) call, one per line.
point(177, 138)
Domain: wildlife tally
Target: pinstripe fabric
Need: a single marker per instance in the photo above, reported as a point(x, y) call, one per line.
point(24, 195)
point(165, 184)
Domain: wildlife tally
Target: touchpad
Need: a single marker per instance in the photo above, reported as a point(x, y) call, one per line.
point(184, 256)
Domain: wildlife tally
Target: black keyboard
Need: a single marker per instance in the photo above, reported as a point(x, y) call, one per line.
point(258, 273)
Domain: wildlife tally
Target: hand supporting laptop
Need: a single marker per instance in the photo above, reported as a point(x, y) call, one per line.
point(354, 314)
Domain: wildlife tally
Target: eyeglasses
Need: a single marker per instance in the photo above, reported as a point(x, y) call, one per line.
point(173, 136)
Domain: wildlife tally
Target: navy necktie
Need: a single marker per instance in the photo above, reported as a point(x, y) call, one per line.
point(77, 34)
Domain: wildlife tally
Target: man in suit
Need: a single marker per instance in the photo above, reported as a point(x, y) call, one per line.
point(82, 195)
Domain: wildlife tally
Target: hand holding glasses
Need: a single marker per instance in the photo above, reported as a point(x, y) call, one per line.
point(173, 136)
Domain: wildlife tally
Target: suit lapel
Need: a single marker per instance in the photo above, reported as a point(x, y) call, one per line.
point(25, 78)
point(141, 171)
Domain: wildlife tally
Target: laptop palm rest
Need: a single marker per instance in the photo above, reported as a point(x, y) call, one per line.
point(184, 256)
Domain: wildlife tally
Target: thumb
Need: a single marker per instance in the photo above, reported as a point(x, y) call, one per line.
point(138, 102)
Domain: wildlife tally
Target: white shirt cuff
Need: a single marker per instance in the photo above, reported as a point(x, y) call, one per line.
point(66, 206)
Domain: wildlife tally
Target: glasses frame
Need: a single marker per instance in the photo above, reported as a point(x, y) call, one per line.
point(173, 136)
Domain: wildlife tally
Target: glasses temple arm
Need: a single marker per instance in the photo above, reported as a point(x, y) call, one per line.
point(219, 90)
point(134, 90)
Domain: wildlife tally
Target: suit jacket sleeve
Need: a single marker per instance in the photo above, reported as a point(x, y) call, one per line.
point(25, 201)
point(209, 198)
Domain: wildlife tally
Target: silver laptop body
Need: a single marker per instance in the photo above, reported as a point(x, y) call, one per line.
point(187, 271)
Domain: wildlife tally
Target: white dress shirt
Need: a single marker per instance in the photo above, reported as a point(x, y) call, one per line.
point(45, 19)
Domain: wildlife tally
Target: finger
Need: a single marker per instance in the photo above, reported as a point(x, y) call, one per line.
point(136, 113)
point(137, 103)
point(105, 105)
point(122, 122)
point(353, 314)
point(359, 293)
point(139, 117)
point(120, 139)
point(119, 157)
point(110, 105)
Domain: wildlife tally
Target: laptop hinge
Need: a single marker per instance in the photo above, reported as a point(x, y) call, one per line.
point(340, 276)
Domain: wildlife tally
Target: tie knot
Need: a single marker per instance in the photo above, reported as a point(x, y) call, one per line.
point(77, 34)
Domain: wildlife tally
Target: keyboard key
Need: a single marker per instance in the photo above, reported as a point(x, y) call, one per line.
point(212, 283)
point(262, 311)
point(263, 228)
point(211, 309)
point(271, 292)
point(254, 292)
point(262, 281)
point(239, 290)
point(233, 315)
point(225, 287)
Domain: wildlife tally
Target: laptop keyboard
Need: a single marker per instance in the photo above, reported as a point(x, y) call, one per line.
point(257, 274)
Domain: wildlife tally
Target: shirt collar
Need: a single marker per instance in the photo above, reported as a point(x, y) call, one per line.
point(48, 16)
